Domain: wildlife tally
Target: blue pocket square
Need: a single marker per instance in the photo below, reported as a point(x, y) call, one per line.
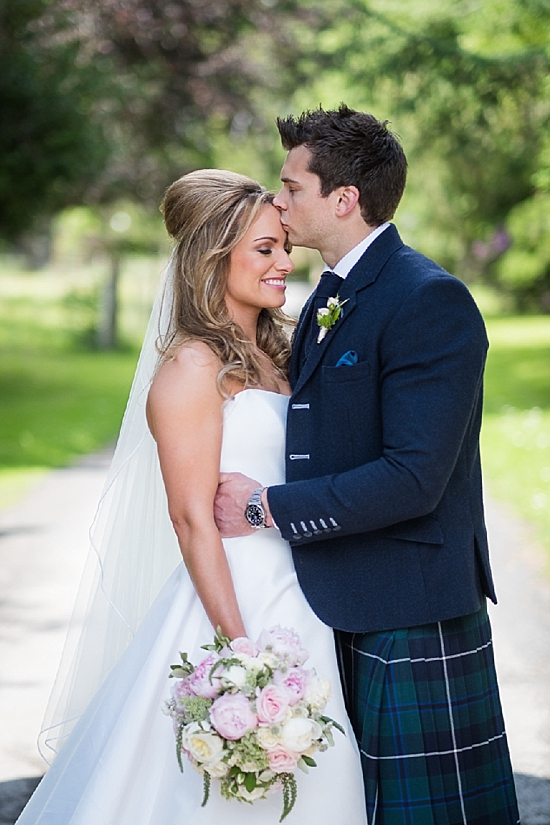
point(348, 359)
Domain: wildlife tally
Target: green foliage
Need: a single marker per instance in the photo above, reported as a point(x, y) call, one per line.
point(516, 425)
point(465, 85)
point(52, 145)
point(103, 99)
point(525, 269)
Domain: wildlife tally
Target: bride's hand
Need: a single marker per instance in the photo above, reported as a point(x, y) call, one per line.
point(234, 491)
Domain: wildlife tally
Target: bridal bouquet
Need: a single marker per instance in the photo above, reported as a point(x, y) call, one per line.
point(249, 714)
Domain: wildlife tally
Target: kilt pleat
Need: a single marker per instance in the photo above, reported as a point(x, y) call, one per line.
point(426, 711)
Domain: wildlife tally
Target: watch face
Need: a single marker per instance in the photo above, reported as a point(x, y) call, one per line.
point(255, 515)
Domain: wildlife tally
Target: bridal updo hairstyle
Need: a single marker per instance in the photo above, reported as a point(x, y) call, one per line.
point(207, 213)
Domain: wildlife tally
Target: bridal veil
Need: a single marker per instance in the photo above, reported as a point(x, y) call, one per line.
point(133, 551)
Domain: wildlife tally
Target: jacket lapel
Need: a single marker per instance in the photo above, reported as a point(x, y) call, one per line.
point(298, 340)
point(363, 274)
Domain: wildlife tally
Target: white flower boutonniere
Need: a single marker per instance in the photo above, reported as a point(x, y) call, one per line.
point(327, 316)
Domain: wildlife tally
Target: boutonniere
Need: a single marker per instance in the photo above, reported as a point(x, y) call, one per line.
point(327, 316)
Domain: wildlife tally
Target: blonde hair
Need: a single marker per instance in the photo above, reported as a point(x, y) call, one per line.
point(208, 212)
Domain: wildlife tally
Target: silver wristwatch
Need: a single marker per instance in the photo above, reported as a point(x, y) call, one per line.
point(254, 511)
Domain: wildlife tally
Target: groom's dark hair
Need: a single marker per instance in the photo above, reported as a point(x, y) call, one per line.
point(350, 148)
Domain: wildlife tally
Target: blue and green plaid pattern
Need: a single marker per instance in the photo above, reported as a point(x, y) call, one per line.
point(426, 711)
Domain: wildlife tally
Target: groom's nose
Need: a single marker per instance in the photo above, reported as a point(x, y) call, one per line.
point(279, 201)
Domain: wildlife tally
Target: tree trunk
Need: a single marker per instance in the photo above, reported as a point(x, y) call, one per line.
point(108, 309)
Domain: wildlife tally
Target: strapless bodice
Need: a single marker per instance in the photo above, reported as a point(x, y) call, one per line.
point(254, 435)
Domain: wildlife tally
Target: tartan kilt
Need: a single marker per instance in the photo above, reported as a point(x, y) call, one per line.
point(426, 711)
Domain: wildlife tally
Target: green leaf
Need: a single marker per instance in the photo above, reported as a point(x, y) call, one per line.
point(309, 761)
point(250, 782)
point(206, 786)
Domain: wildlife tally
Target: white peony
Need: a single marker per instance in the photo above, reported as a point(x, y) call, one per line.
point(202, 745)
point(216, 767)
point(268, 659)
point(298, 734)
point(254, 665)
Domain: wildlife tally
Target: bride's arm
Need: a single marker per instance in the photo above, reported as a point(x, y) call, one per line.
point(184, 411)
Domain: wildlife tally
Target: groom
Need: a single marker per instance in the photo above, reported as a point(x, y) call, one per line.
point(383, 501)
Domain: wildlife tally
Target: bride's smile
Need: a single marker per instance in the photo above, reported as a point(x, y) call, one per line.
point(258, 269)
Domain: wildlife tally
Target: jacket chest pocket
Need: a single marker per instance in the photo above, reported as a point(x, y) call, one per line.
point(346, 374)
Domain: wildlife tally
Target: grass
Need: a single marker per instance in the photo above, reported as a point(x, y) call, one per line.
point(516, 429)
point(59, 400)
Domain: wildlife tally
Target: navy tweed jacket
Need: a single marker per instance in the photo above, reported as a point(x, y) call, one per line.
point(383, 501)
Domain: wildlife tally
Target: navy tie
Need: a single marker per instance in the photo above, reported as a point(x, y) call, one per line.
point(328, 287)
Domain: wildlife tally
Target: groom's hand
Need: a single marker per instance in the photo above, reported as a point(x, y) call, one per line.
point(234, 491)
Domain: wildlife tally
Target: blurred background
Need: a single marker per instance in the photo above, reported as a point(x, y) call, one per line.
point(103, 103)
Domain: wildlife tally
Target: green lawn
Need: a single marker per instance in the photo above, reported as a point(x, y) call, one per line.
point(516, 429)
point(57, 400)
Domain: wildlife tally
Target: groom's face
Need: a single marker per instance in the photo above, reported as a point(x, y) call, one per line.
point(305, 214)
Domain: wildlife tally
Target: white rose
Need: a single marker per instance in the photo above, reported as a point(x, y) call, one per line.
point(332, 302)
point(298, 734)
point(323, 311)
point(266, 738)
point(235, 675)
point(317, 691)
point(203, 746)
point(251, 796)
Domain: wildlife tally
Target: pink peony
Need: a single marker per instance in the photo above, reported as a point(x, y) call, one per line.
point(199, 681)
point(232, 716)
point(180, 689)
point(294, 681)
point(272, 704)
point(281, 760)
point(244, 645)
point(285, 643)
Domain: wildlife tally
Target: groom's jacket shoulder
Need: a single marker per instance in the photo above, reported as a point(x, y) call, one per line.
point(383, 485)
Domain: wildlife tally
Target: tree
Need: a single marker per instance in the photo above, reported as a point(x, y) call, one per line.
point(467, 86)
point(111, 98)
point(52, 145)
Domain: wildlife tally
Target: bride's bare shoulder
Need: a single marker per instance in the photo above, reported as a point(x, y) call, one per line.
point(192, 362)
point(185, 384)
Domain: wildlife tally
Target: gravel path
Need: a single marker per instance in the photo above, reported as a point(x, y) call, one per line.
point(43, 545)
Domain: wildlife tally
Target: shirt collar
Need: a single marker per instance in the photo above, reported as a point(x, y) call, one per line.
point(346, 264)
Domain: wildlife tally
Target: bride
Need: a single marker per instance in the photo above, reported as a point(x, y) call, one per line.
point(210, 393)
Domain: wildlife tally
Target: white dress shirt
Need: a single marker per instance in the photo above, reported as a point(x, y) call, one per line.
point(346, 264)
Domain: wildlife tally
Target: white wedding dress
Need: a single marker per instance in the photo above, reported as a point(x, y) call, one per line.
point(118, 766)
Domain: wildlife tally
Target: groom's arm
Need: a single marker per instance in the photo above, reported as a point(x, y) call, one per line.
point(432, 360)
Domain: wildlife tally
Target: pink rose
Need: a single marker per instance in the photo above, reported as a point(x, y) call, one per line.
point(294, 681)
point(281, 760)
point(272, 704)
point(285, 643)
point(199, 681)
point(244, 645)
point(232, 716)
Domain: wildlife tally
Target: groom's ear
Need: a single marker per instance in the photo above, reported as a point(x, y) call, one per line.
point(347, 200)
